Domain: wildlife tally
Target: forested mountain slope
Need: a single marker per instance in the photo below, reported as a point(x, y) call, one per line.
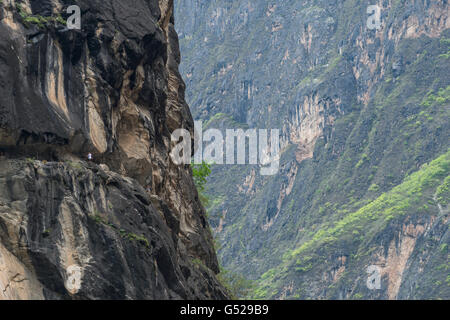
point(364, 119)
point(127, 224)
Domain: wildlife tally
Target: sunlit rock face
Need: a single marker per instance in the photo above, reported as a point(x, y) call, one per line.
point(359, 110)
point(111, 89)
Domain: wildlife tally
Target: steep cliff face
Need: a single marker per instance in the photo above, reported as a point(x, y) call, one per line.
point(360, 110)
point(133, 225)
point(55, 217)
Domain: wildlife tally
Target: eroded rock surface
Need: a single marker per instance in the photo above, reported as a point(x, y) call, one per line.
point(111, 89)
point(54, 216)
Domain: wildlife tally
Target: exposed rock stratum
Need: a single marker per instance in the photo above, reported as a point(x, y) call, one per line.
point(129, 224)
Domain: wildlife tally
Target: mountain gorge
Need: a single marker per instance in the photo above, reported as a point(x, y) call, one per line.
point(128, 224)
point(364, 121)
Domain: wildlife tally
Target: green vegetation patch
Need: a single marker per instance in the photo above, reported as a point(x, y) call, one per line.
point(407, 198)
point(399, 201)
point(200, 173)
point(38, 20)
point(441, 97)
point(443, 192)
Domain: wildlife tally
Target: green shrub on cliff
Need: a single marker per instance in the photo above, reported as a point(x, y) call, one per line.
point(200, 172)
